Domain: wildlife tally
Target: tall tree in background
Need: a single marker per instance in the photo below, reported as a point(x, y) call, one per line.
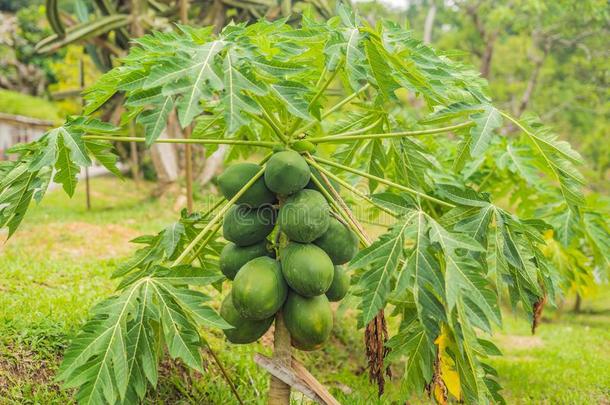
point(545, 56)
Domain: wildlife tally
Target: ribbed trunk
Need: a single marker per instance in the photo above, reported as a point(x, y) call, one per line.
point(279, 392)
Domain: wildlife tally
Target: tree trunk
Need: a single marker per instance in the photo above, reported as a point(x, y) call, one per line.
point(188, 152)
point(429, 24)
point(578, 304)
point(531, 85)
point(487, 56)
point(165, 160)
point(279, 392)
point(489, 38)
point(133, 154)
point(212, 165)
point(188, 170)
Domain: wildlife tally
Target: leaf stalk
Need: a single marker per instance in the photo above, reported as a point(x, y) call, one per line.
point(383, 181)
point(341, 212)
point(351, 188)
point(201, 141)
point(216, 219)
point(350, 136)
point(334, 108)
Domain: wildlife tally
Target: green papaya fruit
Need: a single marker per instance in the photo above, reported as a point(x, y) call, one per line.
point(286, 172)
point(304, 216)
point(308, 319)
point(235, 177)
point(312, 186)
point(340, 285)
point(303, 145)
point(244, 331)
point(245, 226)
point(339, 242)
point(259, 289)
point(232, 257)
point(306, 268)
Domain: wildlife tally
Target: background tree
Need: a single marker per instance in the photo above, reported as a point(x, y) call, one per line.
point(546, 56)
point(22, 68)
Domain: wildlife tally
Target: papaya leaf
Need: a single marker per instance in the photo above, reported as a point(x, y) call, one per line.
point(188, 76)
point(171, 237)
point(412, 343)
point(16, 192)
point(382, 259)
point(485, 124)
point(557, 159)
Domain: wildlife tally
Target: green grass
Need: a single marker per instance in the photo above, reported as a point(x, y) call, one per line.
point(59, 264)
point(22, 104)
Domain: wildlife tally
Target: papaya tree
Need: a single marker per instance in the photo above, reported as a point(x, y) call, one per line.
point(383, 122)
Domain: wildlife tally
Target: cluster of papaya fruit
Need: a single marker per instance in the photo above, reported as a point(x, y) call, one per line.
point(298, 269)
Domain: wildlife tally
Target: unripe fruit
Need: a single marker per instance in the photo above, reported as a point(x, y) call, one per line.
point(244, 226)
point(286, 172)
point(259, 289)
point(306, 268)
point(244, 331)
point(303, 145)
point(235, 178)
point(340, 285)
point(309, 320)
point(232, 257)
point(339, 242)
point(304, 216)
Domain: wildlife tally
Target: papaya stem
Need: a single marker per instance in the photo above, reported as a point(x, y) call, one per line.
point(216, 218)
point(214, 207)
point(334, 108)
point(352, 136)
point(207, 240)
point(182, 140)
point(341, 210)
point(351, 188)
point(275, 126)
point(279, 391)
point(324, 86)
point(355, 131)
point(382, 181)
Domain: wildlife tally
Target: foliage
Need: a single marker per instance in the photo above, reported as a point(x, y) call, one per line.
point(67, 273)
point(555, 49)
point(544, 56)
point(29, 106)
point(16, 5)
point(453, 250)
point(22, 68)
point(111, 25)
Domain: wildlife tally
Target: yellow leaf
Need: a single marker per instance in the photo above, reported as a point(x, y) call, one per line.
point(449, 374)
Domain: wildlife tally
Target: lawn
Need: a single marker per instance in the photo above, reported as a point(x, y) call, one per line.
point(59, 264)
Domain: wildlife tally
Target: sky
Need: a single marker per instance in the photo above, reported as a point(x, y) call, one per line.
point(396, 4)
